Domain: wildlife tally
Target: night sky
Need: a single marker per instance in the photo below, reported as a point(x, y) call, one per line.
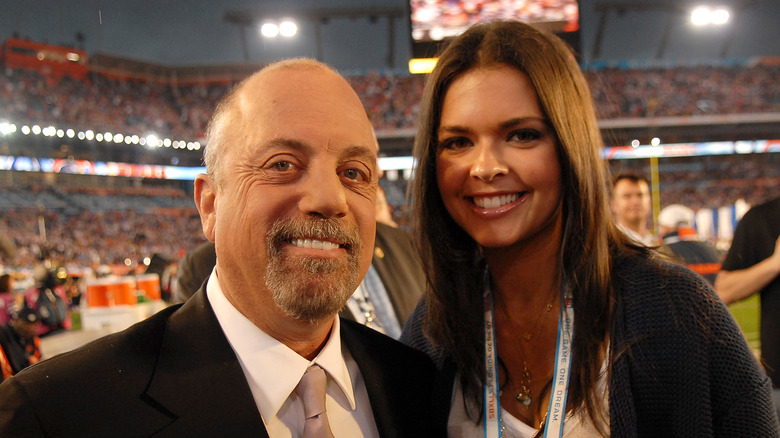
point(193, 32)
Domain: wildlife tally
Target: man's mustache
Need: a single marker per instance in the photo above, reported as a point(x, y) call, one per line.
point(332, 230)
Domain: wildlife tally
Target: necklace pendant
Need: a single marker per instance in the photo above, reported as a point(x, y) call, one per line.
point(526, 336)
point(523, 398)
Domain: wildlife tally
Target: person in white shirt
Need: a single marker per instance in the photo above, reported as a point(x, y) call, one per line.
point(288, 200)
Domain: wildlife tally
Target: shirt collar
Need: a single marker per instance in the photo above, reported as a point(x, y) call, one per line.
point(272, 369)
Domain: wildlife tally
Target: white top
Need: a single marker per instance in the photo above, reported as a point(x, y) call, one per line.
point(575, 425)
point(273, 371)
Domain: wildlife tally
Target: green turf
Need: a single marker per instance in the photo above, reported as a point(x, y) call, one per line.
point(748, 315)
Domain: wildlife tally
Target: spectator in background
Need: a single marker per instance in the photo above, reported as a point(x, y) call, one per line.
point(631, 207)
point(680, 240)
point(20, 346)
point(384, 213)
point(194, 268)
point(7, 299)
point(752, 266)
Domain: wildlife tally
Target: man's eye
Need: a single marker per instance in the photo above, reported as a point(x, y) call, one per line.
point(282, 166)
point(352, 174)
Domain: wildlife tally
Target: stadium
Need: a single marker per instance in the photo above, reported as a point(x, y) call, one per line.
point(99, 148)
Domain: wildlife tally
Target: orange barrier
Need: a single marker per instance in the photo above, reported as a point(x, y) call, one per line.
point(108, 292)
point(149, 284)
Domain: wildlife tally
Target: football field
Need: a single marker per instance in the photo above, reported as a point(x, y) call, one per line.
point(748, 316)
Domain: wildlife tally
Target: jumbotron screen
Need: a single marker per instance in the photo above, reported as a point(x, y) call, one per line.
point(438, 20)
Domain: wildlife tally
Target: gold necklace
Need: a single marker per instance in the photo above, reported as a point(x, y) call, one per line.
point(527, 336)
point(523, 394)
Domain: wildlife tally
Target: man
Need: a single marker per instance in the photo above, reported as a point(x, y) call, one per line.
point(631, 207)
point(289, 203)
point(681, 241)
point(752, 266)
point(20, 346)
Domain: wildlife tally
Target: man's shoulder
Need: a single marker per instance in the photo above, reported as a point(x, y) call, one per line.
point(763, 212)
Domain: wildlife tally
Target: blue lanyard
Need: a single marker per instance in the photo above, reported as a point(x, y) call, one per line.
point(560, 385)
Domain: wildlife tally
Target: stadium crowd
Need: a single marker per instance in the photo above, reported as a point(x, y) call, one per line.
point(109, 226)
point(392, 100)
point(86, 226)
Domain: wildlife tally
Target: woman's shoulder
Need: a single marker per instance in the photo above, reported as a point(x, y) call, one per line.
point(654, 287)
point(642, 273)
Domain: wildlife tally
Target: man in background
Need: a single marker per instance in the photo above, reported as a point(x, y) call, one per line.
point(752, 266)
point(680, 240)
point(631, 206)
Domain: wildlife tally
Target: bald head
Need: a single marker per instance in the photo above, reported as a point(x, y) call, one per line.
point(281, 90)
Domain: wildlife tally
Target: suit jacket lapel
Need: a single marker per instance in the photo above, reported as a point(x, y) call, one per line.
point(373, 377)
point(198, 380)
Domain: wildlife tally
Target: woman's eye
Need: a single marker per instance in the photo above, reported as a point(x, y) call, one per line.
point(526, 135)
point(455, 143)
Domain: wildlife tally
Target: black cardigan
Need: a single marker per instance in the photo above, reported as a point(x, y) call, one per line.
point(680, 366)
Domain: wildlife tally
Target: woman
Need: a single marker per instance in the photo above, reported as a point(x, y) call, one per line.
point(517, 239)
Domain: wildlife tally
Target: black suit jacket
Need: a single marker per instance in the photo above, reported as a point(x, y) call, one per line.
point(175, 375)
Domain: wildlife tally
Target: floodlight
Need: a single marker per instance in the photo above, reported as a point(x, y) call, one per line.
point(269, 30)
point(701, 16)
point(288, 28)
point(719, 16)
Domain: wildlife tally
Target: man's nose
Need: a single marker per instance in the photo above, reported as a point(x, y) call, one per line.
point(324, 195)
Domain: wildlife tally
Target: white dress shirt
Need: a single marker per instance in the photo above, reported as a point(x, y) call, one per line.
point(273, 371)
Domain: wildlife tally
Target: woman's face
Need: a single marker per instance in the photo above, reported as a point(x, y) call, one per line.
point(497, 166)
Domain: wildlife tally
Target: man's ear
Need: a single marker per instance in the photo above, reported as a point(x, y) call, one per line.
point(206, 201)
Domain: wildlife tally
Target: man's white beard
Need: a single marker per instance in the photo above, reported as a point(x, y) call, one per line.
point(312, 288)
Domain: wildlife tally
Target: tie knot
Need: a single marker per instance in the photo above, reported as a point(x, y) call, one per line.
point(311, 389)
